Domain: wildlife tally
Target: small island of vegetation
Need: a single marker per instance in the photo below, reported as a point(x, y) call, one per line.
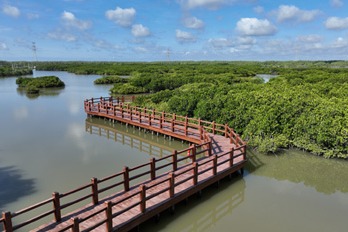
point(33, 85)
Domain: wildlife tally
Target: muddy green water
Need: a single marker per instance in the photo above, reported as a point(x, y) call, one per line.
point(48, 144)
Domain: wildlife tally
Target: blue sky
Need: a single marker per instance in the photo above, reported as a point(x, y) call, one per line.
point(162, 30)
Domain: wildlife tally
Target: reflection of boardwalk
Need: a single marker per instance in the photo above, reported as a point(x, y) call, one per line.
point(150, 188)
point(127, 138)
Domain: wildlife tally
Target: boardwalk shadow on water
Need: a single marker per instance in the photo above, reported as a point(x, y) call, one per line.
point(201, 212)
point(13, 186)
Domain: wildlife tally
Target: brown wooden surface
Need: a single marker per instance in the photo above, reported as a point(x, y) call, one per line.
point(136, 203)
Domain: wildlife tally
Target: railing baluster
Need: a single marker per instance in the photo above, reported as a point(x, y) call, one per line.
point(171, 184)
point(56, 206)
point(153, 168)
point(126, 178)
point(75, 224)
point(142, 198)
point(7, 216)
point(193, 156)
point(231, 156)
point(195, 173)
point(94, 182)
point(175, 160)
point(108, 214)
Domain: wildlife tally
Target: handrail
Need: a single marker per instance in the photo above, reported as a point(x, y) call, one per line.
point(175, 123)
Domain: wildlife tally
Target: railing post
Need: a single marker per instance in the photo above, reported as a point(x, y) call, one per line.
point(171, 185)
point(7, 216)
point(122, 99)
point(214, 165)
point(244, 152)
point(201, 132)
point(231, 156)
point(175, 160)
point(75, 224)
point(108, 214)
point(142, 198)
point(193, 157)
point(131, 114)
point(56, 206)
point(139, 112)
point(121, 106)
point(210, 144)
point(172, 125)
point(186, 122)
point(94, 182)
point(153, 168)
point(213, 128)
point(226, 130)
point(199, 122)
point(126, 178)
point(150, 120)
point(195, 173)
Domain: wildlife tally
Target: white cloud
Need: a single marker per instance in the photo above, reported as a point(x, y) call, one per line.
point(335, 23)
point(220, 43)
point(193, 22)
point(309, 38)
point(259, 9)
point(139, 30)
point(293, 13)
point(3, 46)
point(11, 11)
point(61, 35)
point(210, 4)
point(122, 17)
point(183, 36)
point(71, 21)
point(255, 27)
point(336, 3)
point(340, 43)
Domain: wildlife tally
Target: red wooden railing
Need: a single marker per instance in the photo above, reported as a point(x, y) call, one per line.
point(155, 168)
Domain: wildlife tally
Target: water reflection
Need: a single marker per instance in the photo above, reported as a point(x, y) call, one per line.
point(14, 186)
point(43, 92)
point(145, 142)
point(210, 212)
point(326, 176)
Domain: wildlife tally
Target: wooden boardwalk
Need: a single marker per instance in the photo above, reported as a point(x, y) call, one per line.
point(137, 194)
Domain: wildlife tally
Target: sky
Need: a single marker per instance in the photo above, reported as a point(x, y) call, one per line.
point(173, 30)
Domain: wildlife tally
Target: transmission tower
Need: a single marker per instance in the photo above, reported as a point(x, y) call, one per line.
point(34, 50)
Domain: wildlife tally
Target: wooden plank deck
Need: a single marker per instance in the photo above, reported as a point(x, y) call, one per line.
point(224, 153)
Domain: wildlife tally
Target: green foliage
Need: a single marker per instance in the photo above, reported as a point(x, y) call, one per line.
point(304, 107)
point(110, 80)
point(33, 85)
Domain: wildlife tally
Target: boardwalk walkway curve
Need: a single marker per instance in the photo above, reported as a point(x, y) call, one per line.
point(139, 193)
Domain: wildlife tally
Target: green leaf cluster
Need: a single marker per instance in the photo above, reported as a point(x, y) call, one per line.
point(33, 85)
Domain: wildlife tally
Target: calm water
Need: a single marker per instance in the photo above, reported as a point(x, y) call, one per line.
point(48, 144)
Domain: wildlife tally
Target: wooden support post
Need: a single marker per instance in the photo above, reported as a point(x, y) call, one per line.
point(244, 152)
point(139, 112)
point(193, 155)
point(175, 160)
point(231, 138)
point(195, 173)
point(186, 123)
point(153, 168)
point(214, 165)
point(126, 178)
point(213, 128)
point(231, 156)
point(56, 206)
point(172, 125)
point(171, 185)
point(7, 216)
point(210, 145)
point(150, 120)
point(108, 215)
point(226, 130)
point(199, 122)
point(94, 182)
point(122, 111)
point(122, 99)
point(75, 224)
point(142, 198)
point(131, 114)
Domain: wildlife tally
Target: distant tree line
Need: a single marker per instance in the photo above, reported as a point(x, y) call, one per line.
point(305, 106)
